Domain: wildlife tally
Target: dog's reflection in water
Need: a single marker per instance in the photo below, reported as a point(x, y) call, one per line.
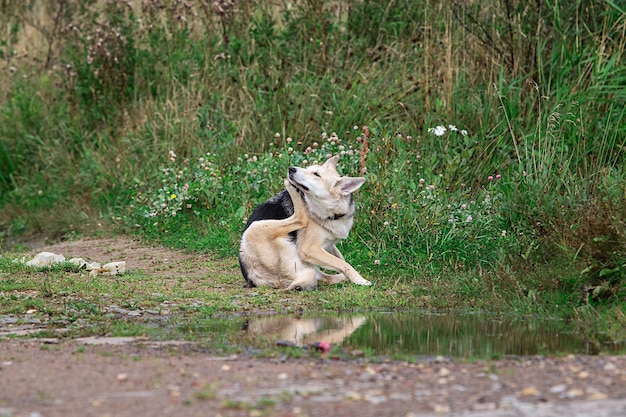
point(303, 331)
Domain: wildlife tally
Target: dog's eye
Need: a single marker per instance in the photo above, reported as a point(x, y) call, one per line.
point(317, 175)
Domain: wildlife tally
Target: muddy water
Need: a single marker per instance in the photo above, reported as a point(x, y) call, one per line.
point(460, 335)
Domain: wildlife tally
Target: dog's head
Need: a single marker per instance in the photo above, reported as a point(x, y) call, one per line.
point(325, 192)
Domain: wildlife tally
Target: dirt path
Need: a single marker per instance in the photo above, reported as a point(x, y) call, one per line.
point(137, 377)
point(46, 378)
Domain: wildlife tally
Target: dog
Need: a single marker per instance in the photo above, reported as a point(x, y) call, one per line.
point(290, 236)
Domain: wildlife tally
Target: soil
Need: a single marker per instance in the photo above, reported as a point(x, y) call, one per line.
point(138, 377)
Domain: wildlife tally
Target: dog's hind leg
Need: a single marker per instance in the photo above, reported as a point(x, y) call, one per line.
point(267, 255)
point(306, 279)
point(300, 216)
point(274, 229)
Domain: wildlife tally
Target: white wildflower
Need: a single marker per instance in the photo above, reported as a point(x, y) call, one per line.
point(440, 130)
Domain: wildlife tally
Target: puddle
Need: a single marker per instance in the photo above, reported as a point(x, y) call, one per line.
point(391, 334)
point(471, 335)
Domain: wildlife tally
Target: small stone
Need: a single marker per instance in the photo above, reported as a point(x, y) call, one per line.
point(443, 372)
point(225, 367)
point(441, 408)
point(375, 399)
point(423, 393)
point(370, 370)
point(557, 389)
point(282, 376)
point(122, 377)
point(597, 396)
point(484, 406)
point(529, 391)
point(352, 395)
point(173, 391)
point(610, 366)
point(401, 396)
point(574, 393)
point(583, 375)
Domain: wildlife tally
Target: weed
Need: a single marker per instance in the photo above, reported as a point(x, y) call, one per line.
point(207, 393)
point(236, 405)
point(265, 402)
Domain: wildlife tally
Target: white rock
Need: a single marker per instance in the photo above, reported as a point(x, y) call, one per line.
point(90, 266)
point(115, 268)
point(46, 259)
point(79, 262)
point(112, 268)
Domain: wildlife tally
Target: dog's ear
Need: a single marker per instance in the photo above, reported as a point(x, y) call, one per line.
point(332, 162)
point(348, 185)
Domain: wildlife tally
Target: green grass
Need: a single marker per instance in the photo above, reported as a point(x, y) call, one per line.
point(177, 132)
point(82, 305)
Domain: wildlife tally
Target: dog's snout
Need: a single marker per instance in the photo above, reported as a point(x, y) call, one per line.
point(292, 170)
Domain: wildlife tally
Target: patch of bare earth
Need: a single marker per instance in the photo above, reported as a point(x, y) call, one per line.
point(70, 379)
point(151, 260)
point(137, 377)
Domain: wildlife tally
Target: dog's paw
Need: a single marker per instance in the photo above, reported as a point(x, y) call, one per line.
point(362, 281)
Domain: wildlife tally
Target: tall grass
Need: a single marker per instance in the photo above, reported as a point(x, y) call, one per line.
point(101, 93)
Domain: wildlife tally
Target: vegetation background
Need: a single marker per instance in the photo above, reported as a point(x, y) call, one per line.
point(492, 133)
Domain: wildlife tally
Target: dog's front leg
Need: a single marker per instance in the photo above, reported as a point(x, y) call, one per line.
point(336, 278)
point(335, 251)
point(320, 257)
